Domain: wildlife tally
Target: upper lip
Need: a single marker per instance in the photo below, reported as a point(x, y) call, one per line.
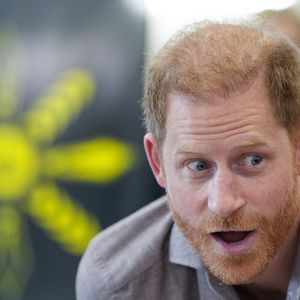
point(232, 230)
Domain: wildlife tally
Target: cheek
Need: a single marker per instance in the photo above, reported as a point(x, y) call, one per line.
point(187, 199)
point(267, 194)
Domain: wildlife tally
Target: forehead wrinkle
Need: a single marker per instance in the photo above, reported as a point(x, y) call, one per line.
point(248, 141)
point(209, 126)
point(215, 120)
point(217, 133)
point(196, 139)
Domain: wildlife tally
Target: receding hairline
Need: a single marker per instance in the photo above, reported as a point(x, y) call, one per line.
point(194, 63)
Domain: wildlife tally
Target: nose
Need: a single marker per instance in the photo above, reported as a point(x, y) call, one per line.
point(223, 195)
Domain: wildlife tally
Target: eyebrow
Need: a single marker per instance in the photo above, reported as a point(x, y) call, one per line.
point(254, 141)
point(248, 142)
point(185, 149)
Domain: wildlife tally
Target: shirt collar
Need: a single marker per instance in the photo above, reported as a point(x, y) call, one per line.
point(181, 252)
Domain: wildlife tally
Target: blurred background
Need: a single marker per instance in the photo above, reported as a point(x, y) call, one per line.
point(71, 153)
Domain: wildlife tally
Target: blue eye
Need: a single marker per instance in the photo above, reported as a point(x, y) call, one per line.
point(253, 160)
point(199, 165)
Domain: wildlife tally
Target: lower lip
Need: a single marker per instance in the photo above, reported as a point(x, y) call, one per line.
point(237, 248)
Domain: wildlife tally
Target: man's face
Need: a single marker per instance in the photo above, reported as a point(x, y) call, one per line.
point(230, 174)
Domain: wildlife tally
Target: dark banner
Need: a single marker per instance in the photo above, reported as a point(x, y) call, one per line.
point(71, 155)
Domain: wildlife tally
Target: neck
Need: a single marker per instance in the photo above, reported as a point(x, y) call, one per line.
point(277, 277)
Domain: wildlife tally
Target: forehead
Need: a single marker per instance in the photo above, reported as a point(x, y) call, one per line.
point(247, 116)
point(243, 101)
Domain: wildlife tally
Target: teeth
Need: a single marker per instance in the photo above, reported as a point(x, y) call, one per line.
point(232, 236)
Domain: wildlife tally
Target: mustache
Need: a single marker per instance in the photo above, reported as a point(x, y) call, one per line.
point(238, 221)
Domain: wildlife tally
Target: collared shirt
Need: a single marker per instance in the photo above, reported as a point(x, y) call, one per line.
point(182, 253)
point(146, 256)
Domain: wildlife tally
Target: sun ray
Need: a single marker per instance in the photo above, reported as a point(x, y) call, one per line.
point(14, 245)
point(19, 164)
point(27, 161)
point(65, 221)
point(62, 103)
point(99, 160)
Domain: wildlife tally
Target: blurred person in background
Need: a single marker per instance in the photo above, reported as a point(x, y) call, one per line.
point(222, 112)
point(286, 21)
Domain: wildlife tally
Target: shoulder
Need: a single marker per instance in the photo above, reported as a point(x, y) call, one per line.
point(124, 251)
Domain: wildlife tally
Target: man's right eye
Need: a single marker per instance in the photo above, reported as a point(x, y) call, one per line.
point(198, 165)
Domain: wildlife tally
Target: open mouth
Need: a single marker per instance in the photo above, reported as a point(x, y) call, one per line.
point(234, 242)
point(232, 237)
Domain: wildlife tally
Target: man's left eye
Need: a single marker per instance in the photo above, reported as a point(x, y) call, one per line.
point(252, 160)
point(198, 165)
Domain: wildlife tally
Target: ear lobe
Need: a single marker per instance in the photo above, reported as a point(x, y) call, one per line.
point(154, 159)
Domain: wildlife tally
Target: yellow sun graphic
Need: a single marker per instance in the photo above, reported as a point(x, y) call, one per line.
point(30, 166)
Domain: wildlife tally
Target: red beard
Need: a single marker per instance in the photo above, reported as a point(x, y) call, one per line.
point(242, 269)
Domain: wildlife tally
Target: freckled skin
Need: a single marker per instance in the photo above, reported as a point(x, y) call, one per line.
point(225, 134)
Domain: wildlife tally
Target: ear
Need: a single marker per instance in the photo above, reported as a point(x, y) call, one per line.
point(154, 158)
